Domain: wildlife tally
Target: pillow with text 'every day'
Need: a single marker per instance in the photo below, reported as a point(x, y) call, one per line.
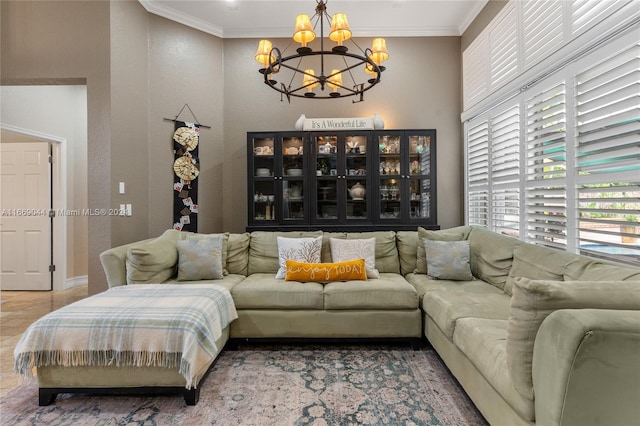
point(343, 250)
point(326, 272)
point(300, 249)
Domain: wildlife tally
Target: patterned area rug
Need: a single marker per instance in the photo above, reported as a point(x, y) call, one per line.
point(279, 385)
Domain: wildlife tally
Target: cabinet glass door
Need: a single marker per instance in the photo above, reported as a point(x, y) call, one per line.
point(326, 163)
point(292, 178)
point(355, 177)
point(390, 175)
point(341, 177)
point(264, 187)
point(419, 176)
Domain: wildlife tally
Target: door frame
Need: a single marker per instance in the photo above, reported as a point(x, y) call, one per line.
point(58, 198)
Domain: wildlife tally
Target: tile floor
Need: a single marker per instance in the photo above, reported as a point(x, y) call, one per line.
point(18, 309)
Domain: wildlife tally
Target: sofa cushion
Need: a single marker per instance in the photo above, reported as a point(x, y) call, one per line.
point(343, 250)
point(484, 342)
point(534, 300)
point(264, 291)
point(326, 244)
point(238, 253)
point(389, 292)
point(425, 284)
point(386, 252)
point(263, 249)
point(228, 281)
point(452, 234)
point(581, 270)
point(299, 249)
point(491, 255)
point(200, 259)
point(407, 243)
point(153, 261)
point(447, 307)
point(326, 272)
point(448, 260)
point(538, 263)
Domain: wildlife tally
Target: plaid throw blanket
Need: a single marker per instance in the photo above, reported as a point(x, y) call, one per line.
point(162, 325)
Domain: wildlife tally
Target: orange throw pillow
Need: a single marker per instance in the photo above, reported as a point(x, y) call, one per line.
point(325, 272)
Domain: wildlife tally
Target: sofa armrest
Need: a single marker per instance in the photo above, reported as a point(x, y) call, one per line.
point(114, 263)
point(586, 368)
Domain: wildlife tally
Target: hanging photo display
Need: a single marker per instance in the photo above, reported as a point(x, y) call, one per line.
point(186, 168)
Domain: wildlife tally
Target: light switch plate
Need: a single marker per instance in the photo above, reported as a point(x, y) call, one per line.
point(121, 188)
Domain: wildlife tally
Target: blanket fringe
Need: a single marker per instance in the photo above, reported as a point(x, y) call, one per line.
point(25, 361)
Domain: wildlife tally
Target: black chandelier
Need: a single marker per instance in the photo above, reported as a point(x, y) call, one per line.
point(351, 74)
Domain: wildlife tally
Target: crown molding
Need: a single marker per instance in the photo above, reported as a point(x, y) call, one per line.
point(472, 15)
point(182, 18)
point(170, 13)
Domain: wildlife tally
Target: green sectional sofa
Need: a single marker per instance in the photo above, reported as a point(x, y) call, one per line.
point(537, 336)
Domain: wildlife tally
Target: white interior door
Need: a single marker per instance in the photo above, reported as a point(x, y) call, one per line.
point(25, 226)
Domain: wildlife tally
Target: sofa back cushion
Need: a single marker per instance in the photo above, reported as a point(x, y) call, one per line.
point(387, 259)
point(326, 244)
point(539, 263)
point(452, 234)
point(238, 253)
point(407, 242)
point(263, 249)
point(593, 270)
point(153, 261)
point(534, 300)
point(491, 255)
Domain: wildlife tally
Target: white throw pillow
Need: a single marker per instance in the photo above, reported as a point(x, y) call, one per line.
point(200, 259)
point(344, 250)
point(299, 249)
point(448, 260)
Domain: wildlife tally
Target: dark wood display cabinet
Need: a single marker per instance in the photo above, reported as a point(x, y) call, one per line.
point(342, 180)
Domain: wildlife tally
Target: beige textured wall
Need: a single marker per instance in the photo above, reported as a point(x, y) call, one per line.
point(185, 66)
point(129, 116)
point(51, 42)
point(420, 89)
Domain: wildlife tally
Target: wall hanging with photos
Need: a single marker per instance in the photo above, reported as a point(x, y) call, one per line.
point(186, 168)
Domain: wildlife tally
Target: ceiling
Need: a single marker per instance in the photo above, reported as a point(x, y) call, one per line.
point(263, 18)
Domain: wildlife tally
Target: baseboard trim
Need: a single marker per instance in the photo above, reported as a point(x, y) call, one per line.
point(76, 281)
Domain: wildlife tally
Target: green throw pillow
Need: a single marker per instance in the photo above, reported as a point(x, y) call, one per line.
point(200, 259)
point(448, 260)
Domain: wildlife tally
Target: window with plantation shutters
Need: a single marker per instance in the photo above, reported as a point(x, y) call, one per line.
point(542, 29)
point(475, 72)
point(586, 13)
point(608, 155)
point(478, 173)
point(553, 153)
point(546, 166)
point(505, 170)
point(503, 47)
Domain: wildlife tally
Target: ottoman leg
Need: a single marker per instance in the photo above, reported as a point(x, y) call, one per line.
point(191, 396)
point(46, 397)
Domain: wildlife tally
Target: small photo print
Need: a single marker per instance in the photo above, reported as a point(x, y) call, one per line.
point(185, 220)
point(178, 186)
point(177, 226)
point(194, 208)
point(187, 201)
